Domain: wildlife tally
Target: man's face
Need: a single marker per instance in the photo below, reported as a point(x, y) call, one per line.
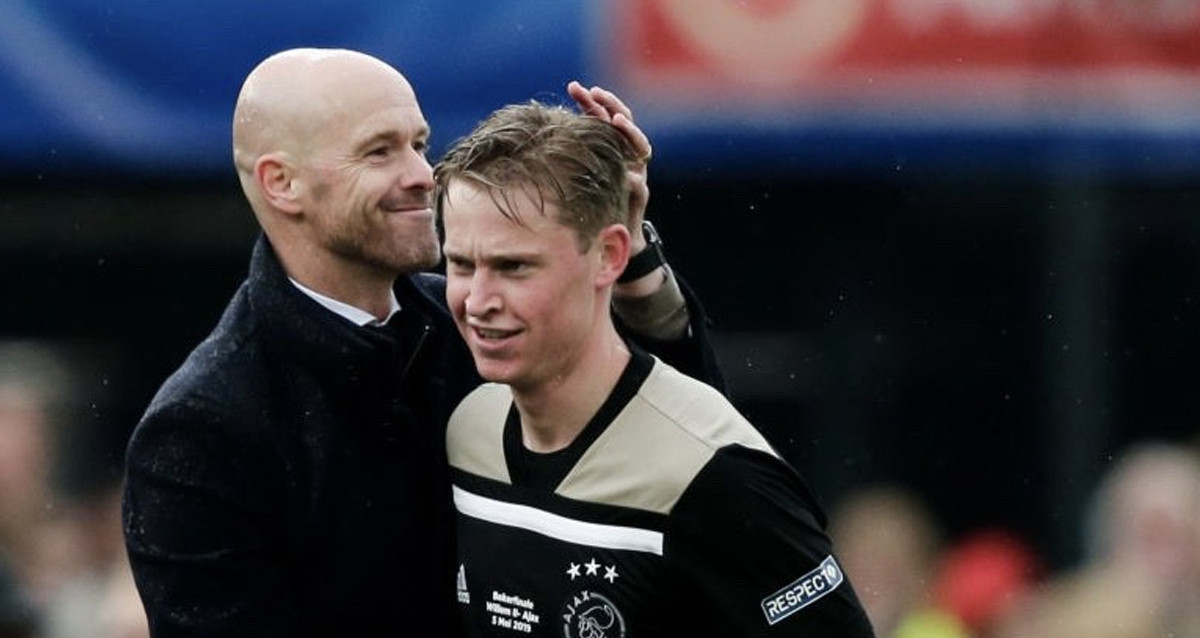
point(368, 184)
point(524, 297)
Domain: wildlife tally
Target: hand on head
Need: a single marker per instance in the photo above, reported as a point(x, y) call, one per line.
point(606, 106)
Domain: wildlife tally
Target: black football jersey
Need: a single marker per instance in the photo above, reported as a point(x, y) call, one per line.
point(669, 515)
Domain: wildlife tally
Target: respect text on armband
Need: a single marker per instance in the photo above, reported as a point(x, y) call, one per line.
point(803, 592)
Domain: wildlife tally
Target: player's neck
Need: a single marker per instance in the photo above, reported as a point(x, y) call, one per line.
point(556, 411)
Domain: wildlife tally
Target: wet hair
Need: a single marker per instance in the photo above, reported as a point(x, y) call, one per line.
point(554, 155)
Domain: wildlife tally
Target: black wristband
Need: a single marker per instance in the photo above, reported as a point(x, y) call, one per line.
point(650, 258)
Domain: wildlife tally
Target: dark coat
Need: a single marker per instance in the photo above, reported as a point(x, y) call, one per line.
point(290, 478)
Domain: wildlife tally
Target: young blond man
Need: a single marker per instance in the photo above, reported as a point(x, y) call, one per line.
point(599, 491)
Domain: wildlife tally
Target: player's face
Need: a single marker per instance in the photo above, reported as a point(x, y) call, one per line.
point(523, 296)
point(370, 185)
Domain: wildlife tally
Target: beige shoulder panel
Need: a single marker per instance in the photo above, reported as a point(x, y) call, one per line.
point(655, 447)
point(475, 436)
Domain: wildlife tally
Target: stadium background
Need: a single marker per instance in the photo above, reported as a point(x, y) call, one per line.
point(949, 244)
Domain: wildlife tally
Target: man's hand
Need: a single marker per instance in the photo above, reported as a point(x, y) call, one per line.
point(606, 106)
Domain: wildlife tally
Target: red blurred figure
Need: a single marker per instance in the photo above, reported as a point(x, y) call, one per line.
point(983, 577)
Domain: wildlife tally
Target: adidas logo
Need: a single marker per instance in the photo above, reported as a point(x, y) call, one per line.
point(464, 595)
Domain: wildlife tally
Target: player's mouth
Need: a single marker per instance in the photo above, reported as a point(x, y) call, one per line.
point(492, 334)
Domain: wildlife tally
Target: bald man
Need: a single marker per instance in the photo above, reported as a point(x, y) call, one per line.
point(290, 478)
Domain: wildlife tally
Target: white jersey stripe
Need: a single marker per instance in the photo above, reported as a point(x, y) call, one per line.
point(555, 526)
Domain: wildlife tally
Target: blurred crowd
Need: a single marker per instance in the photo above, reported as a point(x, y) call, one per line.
point(1140, 576)
point(63, 571)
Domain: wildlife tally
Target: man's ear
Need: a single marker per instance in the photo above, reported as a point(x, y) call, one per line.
point(614, 243)
point(276, 178)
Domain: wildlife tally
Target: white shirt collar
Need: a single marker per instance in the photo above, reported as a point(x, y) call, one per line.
point(357, 316)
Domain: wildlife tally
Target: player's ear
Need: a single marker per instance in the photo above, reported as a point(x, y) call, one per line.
point(614, 243)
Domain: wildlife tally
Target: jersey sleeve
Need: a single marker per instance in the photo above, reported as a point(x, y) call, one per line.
point(748, 544)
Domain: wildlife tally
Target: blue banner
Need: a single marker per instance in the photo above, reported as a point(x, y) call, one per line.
point(149, 86)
